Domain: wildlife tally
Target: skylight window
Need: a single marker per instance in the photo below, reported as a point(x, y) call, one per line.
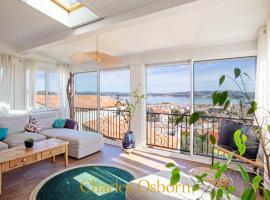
point(71, 13)
point(68, 5)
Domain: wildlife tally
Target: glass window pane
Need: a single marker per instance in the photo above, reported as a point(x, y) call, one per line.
point(206, 81)
point(40, 90)
point(53, 91)
point(168, 97)
point(114, 86)
point(86, 100)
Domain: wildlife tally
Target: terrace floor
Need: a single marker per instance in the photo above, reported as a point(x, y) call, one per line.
point(18, 184)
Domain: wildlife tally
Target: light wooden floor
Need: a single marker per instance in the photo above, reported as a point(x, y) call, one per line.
point(18, 184)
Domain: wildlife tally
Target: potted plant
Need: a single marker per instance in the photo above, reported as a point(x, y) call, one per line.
point(127, 111)
point(248, 107)
point(29, 143)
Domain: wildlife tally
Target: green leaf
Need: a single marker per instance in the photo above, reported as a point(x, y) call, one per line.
point(221, 80)
point(219, 193)
point(170, 165)
point(237, 73)
point(253, 108)
point(201, 177)
point(226, 105)
point(256, 182)
point(175, 171)
point(220, 171)
point(215, 97)
point(244, 173)
point(195, 187)
point(223, 97)
point(248, 194)
point(213, 194)
point(215, 165)
point(266, 194)
point(175, 178)
point(231, 189)
point(178, 120)
point(212, 139)
point(194, 117)
point(240, 141)
point(268, 128)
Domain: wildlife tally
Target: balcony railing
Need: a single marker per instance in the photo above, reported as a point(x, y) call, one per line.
point(111, 124)
point(163, 133)
point(161, 129)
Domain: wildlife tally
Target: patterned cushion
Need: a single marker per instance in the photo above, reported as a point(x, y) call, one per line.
point(33, 126)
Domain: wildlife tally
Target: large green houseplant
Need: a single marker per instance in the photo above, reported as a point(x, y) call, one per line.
point(248, 107)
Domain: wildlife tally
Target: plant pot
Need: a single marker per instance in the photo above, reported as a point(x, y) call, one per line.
point(128, 141)
point(28, 144)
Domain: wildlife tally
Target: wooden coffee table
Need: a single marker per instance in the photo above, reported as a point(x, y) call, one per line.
point(20, 156)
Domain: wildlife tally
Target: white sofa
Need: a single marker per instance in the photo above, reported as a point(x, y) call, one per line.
point(81, 143)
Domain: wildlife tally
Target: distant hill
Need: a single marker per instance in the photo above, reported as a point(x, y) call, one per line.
point(232, 93)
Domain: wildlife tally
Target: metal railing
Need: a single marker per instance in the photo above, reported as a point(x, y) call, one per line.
point(163, 133)
point(109, 123)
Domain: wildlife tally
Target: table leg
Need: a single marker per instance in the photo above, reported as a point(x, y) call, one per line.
point(53, 159)
point(66, 156)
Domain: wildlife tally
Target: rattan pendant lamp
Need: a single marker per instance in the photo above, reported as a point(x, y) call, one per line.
point(101, 59)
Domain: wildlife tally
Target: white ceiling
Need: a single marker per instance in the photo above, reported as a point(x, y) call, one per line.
point(205, 22)
point(144, 25)
point(107, 8)
point(21, 24)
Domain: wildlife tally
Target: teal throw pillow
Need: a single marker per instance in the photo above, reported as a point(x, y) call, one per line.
point(59, 123)
point(3, 133)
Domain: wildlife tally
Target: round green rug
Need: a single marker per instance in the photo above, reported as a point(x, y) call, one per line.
point(84, 183)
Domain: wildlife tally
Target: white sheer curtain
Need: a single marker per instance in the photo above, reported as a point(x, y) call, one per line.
point(30, 68)
point(63, 73)
point(263, 78)
point(7, 81)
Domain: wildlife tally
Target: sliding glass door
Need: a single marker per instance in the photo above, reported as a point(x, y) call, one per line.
point(86, 100)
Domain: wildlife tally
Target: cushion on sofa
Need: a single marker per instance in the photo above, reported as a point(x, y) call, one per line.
point(46, 119)
point(17, 139)
point(3, 146)
point(14, 123)
point(81, 137)
point(55, 132)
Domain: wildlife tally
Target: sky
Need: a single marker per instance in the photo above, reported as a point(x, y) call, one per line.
point(164, 79)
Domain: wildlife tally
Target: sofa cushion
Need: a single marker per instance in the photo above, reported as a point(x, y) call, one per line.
point(14, 123)
point(78, 138)
point(3, 133)
point(55, 132)
point(46, 119)
point(17, 139)
point(71, 124)
point(59, 123)
point(3, 146)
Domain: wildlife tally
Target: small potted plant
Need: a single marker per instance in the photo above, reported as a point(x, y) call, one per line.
point(29, 143)
point(127, 110)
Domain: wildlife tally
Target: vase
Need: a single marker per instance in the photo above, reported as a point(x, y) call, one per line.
point(128, 141)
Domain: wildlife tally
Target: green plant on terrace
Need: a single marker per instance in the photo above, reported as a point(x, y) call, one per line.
point(248, 107)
